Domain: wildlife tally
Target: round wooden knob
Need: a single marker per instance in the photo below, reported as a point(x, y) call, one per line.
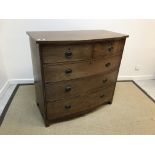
point(67, 106)
point(68, 71)
point(105, 80)
point(110, 49)
point(108, 64)
point(68, 88)
point(68, 54)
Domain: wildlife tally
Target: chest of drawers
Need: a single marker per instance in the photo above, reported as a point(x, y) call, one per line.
point(74, 71)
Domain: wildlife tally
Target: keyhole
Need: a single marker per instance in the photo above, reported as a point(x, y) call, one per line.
point(67, 106)
point(102, 96)
point(105, 80)
point(110, 49)
point(108, 64)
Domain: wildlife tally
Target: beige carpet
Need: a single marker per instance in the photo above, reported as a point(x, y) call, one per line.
point(132, 112)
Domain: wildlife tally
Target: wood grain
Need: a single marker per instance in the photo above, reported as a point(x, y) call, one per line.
point(54, 73)
point(56, 54)
point(82, 86)
point(108, 48)
point(67, 107)
point(38, 78)
point(71, 36)
point(74, 71)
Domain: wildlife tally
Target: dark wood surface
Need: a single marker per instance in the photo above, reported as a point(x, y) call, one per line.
point(79, 103)
point(38, 78)
point(54, 73)
point(55, 54)
point(58, 36)
point(74, 71)
point(108, 48)
point(81, 86)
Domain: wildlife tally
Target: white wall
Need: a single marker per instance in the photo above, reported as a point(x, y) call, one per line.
point(139, 49)
point(3, 73)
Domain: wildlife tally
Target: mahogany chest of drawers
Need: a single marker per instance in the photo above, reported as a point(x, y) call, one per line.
point(74, 71)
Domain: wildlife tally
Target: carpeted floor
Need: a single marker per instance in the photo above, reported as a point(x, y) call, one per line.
point(132, 112)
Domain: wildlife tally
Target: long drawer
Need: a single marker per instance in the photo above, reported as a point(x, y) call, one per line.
point(77, 104)
point(82, 86)
point(65, 53)
point(53, 73)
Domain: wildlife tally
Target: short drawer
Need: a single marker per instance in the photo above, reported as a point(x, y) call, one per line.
point(108, 48)
point(53, 73)
point(63, 53)
point(77, 104)
point(82, 86)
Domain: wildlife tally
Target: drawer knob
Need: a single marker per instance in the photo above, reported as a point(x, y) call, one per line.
point(105, 80)
point(68, 88)
point(68, 71)
point(102, 96)
point(108, 64)
point(110, 49)
point(68, 54)
point(67, 106)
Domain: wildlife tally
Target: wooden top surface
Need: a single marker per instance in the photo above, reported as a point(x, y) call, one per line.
point(80, 35)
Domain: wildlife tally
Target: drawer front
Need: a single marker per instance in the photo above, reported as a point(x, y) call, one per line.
point(53, 73)
point(56, 54)
point(78, 104)
point(83, 86)
point(108, 48)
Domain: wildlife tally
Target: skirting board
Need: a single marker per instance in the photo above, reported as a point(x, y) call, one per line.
point(21, 81)
point(7, 84)
point(4, 88)
point(138, 77)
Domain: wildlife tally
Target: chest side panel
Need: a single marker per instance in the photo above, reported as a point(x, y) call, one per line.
point(38, 78)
